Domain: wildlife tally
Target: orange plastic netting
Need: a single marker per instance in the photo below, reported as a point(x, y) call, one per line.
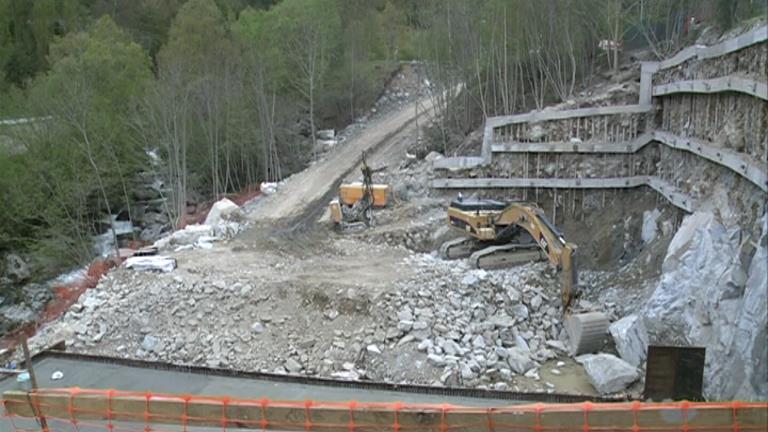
point(110, 410)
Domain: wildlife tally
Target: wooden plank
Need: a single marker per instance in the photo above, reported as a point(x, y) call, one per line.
point(85, 406)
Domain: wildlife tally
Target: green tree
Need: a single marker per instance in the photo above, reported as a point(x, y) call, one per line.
point(302, 37)
point(95, 79)
point(27, 28)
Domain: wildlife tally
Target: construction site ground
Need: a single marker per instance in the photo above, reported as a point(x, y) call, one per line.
point(292, 295)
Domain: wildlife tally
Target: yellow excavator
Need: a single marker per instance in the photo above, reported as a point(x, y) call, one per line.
point(500, 234)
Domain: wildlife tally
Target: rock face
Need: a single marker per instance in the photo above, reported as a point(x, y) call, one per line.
point(631, 339)
point(608, 373)
point(707, 297)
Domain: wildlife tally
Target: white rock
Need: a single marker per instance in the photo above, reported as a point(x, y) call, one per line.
point(469, 279)
point(556, 344)
point(608, 373)
point(149, 343)
point(520, 311)
point(405, 314)
point(405, 325)
point(649, 229)
point(257, 327)
point(373, 349)
point(519, 360)
point(224, 210)
point(466, 372)
point(189, 235)
point(478, 342)
point(631, 339)
point(159, 263)
point(268, 188)
point(424, 345)
point(436, 360)
point(292, 366)
point(451, 347)
point(536, 302)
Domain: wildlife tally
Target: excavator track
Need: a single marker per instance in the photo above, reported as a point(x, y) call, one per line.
point(507, 255)
point(458, 248)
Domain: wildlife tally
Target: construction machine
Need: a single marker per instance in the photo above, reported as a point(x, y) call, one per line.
point(356, 201)
point(498, 234)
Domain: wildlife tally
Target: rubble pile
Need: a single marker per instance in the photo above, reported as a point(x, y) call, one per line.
point(224, 221)
point(478, 328)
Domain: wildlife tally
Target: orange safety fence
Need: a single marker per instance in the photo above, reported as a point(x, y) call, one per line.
point(81, 410)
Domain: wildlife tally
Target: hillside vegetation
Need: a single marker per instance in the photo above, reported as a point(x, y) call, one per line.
point(215, 96)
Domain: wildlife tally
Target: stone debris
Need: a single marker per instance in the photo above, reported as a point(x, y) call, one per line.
point(631, 339)
point(226, 218)
point(473, 323)
point(608, 373)
point(519, 360)
point(159, 263)
point(650, 225)
point(292, 366)
point(268, 188)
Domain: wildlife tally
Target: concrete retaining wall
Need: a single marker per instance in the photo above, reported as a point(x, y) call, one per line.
point(541, 149)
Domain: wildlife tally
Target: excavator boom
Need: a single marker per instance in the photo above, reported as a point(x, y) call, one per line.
point(502, 234)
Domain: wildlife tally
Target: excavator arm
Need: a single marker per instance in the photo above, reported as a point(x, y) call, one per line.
point(493, 235)
point(559, 252)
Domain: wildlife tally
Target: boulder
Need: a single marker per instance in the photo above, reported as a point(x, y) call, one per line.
point(631, 339)
point(293, 366)
point(189, 236)
point(159, 263)
point(649, 230)
point(519, 360)
point(608, 373)
point(224, 210)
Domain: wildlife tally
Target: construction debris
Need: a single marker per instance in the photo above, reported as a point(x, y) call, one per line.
point(586, 332)
point(608, 373)
point(158, 263)
point(631, 339)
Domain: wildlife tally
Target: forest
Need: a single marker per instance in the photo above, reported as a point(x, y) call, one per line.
point(216, 96)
